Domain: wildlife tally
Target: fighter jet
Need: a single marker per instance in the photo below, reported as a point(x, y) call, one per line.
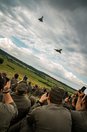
point(58, 50)
point(40, 19)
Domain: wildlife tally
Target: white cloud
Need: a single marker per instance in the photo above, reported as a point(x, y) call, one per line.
point(39, 61)
point(59, 30)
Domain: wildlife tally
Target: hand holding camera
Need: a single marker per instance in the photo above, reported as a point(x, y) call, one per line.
point(82, 89)
point(43, 98)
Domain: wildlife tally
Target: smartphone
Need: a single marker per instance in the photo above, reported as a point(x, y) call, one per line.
point(82, 89)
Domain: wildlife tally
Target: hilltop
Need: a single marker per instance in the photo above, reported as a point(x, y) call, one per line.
point(12, 65)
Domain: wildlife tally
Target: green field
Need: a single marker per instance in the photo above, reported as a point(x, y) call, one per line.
point(11, 66)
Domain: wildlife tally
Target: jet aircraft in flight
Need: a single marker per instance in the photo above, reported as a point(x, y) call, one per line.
point(40, 19)
point(58, 50)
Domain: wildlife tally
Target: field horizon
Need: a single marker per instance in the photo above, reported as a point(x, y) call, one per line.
point(12, 65)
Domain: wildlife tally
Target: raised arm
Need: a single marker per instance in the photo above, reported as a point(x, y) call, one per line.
point(6, 94)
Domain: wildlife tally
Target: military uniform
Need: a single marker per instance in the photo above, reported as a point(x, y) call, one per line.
point(50, 118)
point(7, 112)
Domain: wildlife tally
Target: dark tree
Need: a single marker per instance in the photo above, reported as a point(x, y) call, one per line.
point(1, 60)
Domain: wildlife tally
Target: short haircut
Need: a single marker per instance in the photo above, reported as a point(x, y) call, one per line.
point(25, 78)
point(56, 95)
point(16, 75)
point(21, 88)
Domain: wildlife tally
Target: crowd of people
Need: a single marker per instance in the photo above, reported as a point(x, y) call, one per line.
point(27, 108)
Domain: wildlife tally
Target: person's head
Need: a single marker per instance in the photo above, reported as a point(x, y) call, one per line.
point(25, 78)
point(16, 75)
point(36, 86)
point(21, 88)
point(65, 95)
point(56, 95)
point(29, 83)
point(2, 82)
point(3, 74)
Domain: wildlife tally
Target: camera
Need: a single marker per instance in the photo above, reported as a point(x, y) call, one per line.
point(82, 89)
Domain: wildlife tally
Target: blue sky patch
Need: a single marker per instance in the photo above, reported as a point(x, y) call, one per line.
point(18, 42)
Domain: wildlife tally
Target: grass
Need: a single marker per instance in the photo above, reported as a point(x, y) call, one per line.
point(11, 67)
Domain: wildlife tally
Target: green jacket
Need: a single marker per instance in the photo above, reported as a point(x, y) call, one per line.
point(7, 112)
point(50, 118)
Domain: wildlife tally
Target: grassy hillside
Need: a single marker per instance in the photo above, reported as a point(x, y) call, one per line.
point(12, 65)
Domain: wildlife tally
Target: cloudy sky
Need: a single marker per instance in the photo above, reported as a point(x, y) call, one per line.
point(64, 26)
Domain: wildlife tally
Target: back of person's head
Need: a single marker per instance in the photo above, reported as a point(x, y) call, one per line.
point(2, 82)
point(16, 75)
point(65, 95)
point(25, 78)
point(3, 74)
point(29, 83)
point(21, 88)
point(56, 95)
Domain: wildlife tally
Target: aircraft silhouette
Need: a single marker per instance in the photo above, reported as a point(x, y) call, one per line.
point(58, 50)
point(40, 19)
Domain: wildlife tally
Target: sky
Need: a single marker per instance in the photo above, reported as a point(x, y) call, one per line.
point(64, 27)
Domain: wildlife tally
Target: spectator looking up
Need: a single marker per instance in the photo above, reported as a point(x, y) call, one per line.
point(14, 82)
point(52, 117)
point(22, 101)
point(8, 108)
point(79, 117)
